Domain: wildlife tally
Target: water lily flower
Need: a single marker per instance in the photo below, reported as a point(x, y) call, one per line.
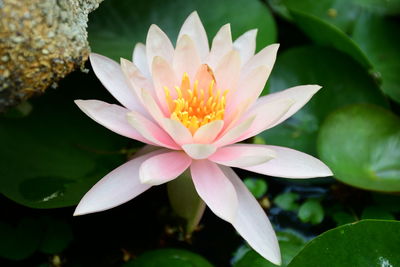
point(195, 104)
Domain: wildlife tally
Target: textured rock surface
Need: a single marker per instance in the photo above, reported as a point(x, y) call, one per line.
point(41, 41)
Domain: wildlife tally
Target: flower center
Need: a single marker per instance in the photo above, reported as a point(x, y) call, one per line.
point(194, 106)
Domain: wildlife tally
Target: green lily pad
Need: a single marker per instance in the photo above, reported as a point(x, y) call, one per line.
point(379, 38)
point(52, 156)
point(117, 25)
point(360, 244)
point(344, 82)
point(311, 211)
point(169, 258)
point(361, 145)
point(287, 201)
point(290, 244)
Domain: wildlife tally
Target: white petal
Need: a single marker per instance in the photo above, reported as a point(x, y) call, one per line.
point(266, 57)
point(228, 71)
point(177, 131)
point(221, 45)
point(158, 44)
point(113, 117)
point(299, 94)
point(208, 132)
point(139, 58)
point(199, 151)
point(215, 189)
point(242, 155)
point(266, 116)
point(186, 58)
point(151, 130)
point(116, 188)
point(194, 28)
point(290, 163)
point(233, 134)
point(246, 45)
point(164, 167)
point(110, 74)
point(252, 223)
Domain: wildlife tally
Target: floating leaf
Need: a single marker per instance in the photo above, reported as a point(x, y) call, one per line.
point(361, 144)
point(364, 243)
point(311, 211)
point(287, 201)
point(258, 187)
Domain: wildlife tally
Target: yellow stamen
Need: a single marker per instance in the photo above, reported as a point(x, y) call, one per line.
point(193, 107)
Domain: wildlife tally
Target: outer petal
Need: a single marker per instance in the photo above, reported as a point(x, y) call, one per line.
point(163, 75)
point(110, 74)
point(113, 117)
point(208, 132)
point(215, 189)
point(300, 94)
point(158, 44)
point(164, 167)
point(151, 130)
point(233, 134)
point(252, 223)
point(194, 28)
point(266, 57)
point(249, 87)
point(228, 71)
point(139, 58)
point(290, 163)
point(221, 45)
point(246, 45)
point(136, 79)
point(266, 116)
point(116, 188)
point(186, 57)
point(199, 151)
point(242, 155)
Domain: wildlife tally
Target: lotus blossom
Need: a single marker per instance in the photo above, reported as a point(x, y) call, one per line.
point(194, 105)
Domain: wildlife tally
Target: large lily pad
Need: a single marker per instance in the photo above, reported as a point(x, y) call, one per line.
point(360, 244)
point(117, 25)
point(51, 157)
point(344, 82)
point(361, 144)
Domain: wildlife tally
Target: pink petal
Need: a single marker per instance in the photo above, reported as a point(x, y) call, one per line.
point(246, 45)
point(177, 131)
point(163, 75)
point(111, 76)
point(299, 94)
point(199, 151)
point(215, 189)
point(195, 30)
point(116, 188)
point(186, 58)
point(242, 155)
point(266, 116)
point(221, 45)
point(204, 76)
point(233, 134)
point(136, 79)
point(290, 163)
point(152, 106)
point(139, 58)
point(266, 57)
point(151, 130)
point(113, 117)
point(208, 132)
point(252, 223)
point(228, 71)
point(164, 167)
point(158, 44)
point(249, 87)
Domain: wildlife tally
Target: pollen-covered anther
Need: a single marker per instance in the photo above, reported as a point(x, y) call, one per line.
point(194, 106)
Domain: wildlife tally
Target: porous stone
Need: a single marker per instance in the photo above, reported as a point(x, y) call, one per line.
point(41, 41)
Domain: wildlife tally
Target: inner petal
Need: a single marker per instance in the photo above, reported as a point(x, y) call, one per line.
point(195, 106)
